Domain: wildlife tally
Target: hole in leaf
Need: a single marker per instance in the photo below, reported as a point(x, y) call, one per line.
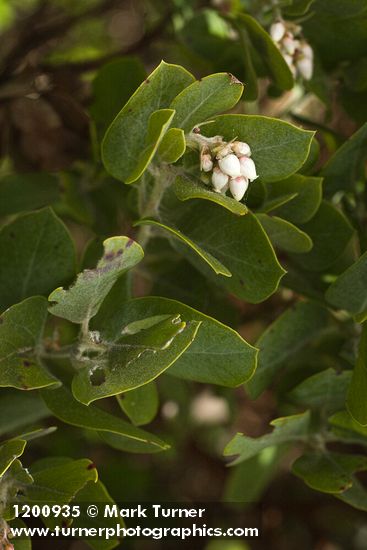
point(97, 377)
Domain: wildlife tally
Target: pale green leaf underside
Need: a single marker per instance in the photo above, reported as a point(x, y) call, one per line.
point(140, 405)
point(82, 300)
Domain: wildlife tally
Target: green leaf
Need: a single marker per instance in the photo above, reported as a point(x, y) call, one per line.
point(205, 98)
point(124, 140)
point(158, 124)
point(288, 429)
point(126, 358)
point(20, 192)
point(239, 243)
point(289, 333)
point(250, 75)
point(325, 390)
point(248, 481)
point(329, 472)
point(356, 496)
point(215, 264)
point(278, 148)
point(21, 331)
point(172, 146)
point(349, 291)
point(344, 421)
point(9, 451)
point(62, 404)
point(19, 409)
point(356, 399)
point(39, 254)
point(284, 234)
point(96, 493)
point(346, 166)
point(187, 188)
point(112, 87)
point(140, 405)
point(270, 54)
point(203, 360)
point(13, 483)
point(330, 232)
point(82, 300)
point(306, 192)
point(59, 483)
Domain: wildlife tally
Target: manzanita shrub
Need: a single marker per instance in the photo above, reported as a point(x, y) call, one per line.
point(193, 210)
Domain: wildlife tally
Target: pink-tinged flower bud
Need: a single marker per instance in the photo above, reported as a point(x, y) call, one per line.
point(206, 163)
point(248, 168)
point(238, 187)
point(277, 31)
point(241, 148)
point(219, 180)
point(290, 45)
point(230, 165)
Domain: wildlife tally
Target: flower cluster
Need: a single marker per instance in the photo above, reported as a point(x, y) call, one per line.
point(229, 165)
point(296, 51)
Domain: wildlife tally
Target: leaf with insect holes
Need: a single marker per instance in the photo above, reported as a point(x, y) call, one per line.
point(203, 359)
point(131, 355)
point(82, 300)
point(21, 331)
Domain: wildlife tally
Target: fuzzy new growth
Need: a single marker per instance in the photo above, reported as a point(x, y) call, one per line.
point(229, 163)
point(297, 53)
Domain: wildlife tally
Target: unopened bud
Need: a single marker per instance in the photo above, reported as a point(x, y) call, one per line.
point(290, 62)
point(219, 179)
point(306, 50)
point(277, 31)
point(230, 165)
point(241, 148)
point(290, 44)
point(206, 163)
point(238, 187)
point(305, 67)
point(248, 168)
